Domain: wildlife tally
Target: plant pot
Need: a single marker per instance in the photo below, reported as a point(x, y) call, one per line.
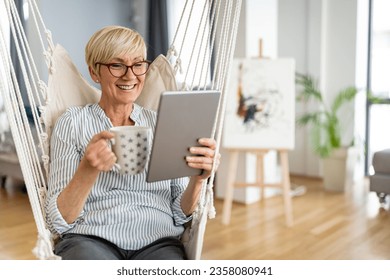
point(338, 169)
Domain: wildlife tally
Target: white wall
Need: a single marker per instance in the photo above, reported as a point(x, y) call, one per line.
point(340, 55)
point(293, 40)
point(261, 23)
point(321, 35)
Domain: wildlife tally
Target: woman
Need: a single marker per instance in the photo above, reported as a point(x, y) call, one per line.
point(98, 213)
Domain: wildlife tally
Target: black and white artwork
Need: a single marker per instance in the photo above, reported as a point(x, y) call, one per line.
point(260, 110)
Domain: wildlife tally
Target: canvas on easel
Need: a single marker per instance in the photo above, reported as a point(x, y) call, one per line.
point(260, 117)
point(260, 110)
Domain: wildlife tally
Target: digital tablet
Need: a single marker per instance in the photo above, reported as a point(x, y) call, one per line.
point(182, 118)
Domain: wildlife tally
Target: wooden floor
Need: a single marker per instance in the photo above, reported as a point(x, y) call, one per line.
point(331, 226)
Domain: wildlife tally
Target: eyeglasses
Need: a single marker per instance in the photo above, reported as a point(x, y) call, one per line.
point(118, 70)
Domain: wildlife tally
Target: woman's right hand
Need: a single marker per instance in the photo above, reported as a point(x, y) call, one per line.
point(98, 153)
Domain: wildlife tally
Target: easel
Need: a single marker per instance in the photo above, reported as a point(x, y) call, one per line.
point(260, 153)
point(284, 184)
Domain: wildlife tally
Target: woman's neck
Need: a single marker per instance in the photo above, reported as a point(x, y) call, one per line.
point(119, 115)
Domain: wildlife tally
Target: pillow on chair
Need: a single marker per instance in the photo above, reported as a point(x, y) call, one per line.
point(159, 78)
point(66, 88)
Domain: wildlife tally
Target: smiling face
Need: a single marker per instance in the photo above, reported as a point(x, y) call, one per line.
point(116, 44)
point(120, 91)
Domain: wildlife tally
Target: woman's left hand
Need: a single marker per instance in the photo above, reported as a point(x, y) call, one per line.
point(203, 157)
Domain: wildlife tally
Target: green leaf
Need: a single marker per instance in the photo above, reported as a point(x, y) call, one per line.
point(319, 141)
point(375, 99)
point(310, 118)
point(310, 88)
point(324, 123)
point(344, 96)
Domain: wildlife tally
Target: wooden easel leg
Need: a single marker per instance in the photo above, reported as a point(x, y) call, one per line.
point(227, 204)
point(286, 187)
point(260, 174)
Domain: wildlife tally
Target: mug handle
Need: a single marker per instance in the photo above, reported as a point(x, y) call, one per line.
point(116, 166)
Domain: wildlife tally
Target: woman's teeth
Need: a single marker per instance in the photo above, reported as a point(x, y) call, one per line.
point(126, 87)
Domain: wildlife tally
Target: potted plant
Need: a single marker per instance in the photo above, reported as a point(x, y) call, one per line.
point(325, 129)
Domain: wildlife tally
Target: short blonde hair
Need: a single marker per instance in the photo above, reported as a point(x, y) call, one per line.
point(113, 41)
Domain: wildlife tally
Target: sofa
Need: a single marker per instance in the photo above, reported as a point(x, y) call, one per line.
point(380, 180)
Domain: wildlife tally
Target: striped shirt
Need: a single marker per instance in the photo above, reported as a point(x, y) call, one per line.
point(123, 209)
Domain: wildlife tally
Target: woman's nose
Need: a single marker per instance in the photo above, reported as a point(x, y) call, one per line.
point(129, 74)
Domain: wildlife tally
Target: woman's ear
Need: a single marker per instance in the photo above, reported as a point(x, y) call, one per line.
point(94, 76)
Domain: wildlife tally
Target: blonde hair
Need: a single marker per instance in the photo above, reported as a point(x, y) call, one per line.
point(113, 41)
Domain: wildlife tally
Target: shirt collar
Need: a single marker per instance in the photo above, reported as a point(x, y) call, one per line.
point(135, 114)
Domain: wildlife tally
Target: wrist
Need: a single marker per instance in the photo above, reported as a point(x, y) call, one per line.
point(87, 167)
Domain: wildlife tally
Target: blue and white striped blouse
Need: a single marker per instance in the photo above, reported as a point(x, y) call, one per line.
point(123, 209)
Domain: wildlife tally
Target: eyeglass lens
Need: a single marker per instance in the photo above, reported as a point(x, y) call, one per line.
point(119, 70)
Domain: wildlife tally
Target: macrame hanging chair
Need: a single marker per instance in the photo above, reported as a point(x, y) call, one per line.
point(214, 46)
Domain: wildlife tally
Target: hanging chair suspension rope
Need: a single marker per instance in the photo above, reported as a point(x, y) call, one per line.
point(33, 74)
point(172, 50)
point(222, 106)
point(47, 53)
point(223, 58)
point(221, 53)
point(22, 135)
point(205, 22)
point(202, 22)
point(212, 34)
point(206, 202)
point(210, 24)
point(19, 99)
point(29, 78)
point(36, 15)
point(16, 123)
point(227, 74)
point(178, 65)
point(222, 70)
point(16, 102)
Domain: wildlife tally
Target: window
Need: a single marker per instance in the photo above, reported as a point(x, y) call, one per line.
point(195, 50)
point(378, 114)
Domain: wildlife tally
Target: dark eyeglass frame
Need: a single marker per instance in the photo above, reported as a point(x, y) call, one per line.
point(108, 65)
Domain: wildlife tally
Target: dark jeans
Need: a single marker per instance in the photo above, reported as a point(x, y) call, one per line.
point(84, 247)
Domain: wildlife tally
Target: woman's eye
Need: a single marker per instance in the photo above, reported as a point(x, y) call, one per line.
point(116, 66)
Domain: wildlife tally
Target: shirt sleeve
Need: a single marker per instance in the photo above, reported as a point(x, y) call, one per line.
point(64, 160)
point(177, 187)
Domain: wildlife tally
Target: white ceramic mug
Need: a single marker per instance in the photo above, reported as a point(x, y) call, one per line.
point(131, 145)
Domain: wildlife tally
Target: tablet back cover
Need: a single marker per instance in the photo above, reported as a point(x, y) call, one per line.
point(182, 118)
